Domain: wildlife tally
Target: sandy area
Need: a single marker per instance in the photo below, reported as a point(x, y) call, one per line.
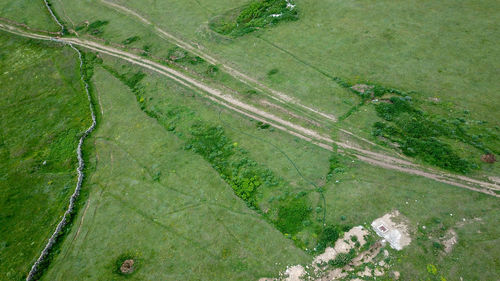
point(396, 233)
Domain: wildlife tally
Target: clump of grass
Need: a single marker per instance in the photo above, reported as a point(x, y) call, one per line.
point(262, 125)
point(179, 55)
point(244, 175)
point(343, 259)
point(131, 40)
point(291, 215)
point(212, 70)
point(335, 167)
point(94, 28)
point(272, 72)
point(255, 15)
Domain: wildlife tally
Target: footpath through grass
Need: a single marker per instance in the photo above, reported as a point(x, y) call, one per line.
point(43, 111)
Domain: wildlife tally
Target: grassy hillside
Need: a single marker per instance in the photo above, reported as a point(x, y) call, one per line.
point(43, 111)
point(439, 49)
point(355, 193)
point(163, 206)
point(190, 190)
point(409, 48)
point(31, 13)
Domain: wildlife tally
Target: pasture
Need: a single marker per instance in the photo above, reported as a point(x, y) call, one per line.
point(40, 125)
point(190, 190)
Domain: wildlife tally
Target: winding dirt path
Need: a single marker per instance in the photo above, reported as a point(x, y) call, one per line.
point(236, 105)
point(276, 95)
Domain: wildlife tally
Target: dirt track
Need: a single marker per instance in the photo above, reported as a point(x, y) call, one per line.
point(276, 95)
point(307, 134)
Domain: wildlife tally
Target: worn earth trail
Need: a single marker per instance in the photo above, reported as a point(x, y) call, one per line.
point(197, 49)
point(310, 135)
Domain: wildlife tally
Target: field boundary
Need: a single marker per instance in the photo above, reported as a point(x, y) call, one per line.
point(81, 165)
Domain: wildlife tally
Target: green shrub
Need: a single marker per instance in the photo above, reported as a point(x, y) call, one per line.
point(262, 125)
point(343, 259)
point(272, 72)
point(291, 215)
point(212, 69)
point(336, 166)
point(328, 235)
point(255, 15)
point(244, 175)
point(96, 27)
point(131, 40)
point(421, 135)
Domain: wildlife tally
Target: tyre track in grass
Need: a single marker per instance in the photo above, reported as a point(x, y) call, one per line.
point(309, 135)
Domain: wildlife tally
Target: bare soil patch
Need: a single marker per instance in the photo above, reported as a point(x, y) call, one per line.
point(449, 240)
point(392, 228)
point(362, 88)
point(343, 245)
point(127, 267)
point(488, 158)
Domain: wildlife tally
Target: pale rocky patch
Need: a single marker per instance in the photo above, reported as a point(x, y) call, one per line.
point(294, 273)
point(392, 228)
point(362, 88)
point(343, 245)
point(449, 240)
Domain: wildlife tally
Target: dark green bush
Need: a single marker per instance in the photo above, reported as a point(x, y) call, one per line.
point(343, 259)
point(262, 125)
point(327, 237)
point(421, 135)
point(257, 14)
point(272, 71)
point(131, 40)
point(291, 215)
point(98, 23)
point(96, 27)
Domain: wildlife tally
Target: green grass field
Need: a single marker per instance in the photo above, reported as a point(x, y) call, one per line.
point(40, 125)
point(362, 194)
point(31, 13)
point(163, 206)
point(193, 191)
point(343, 43)
point(434, 48)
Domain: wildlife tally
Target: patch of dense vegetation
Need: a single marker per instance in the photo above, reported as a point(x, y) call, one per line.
point(423, 135)
point(328, 235)
point(131, 40)
point(255, 15)
point(292, 213)
point(244, 175)
point(94, 28)
point(336, 166)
